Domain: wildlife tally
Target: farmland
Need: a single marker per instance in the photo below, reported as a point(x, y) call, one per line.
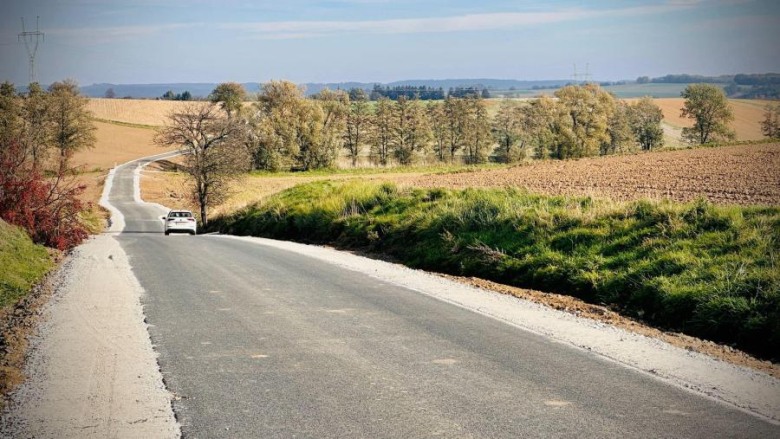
point(748, 113)
point(743, 174)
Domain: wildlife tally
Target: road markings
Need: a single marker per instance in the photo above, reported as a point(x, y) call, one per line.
point(445, 361)
point(258, 356)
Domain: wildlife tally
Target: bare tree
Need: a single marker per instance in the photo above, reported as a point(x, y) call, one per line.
point(213, 148)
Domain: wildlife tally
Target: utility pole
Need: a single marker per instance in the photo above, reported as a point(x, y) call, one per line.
point(31, 41)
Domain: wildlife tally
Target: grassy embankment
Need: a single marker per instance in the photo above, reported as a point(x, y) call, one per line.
point(22, 264)
point(708, 271)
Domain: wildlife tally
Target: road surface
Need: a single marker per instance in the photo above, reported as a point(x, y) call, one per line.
point(257, 341)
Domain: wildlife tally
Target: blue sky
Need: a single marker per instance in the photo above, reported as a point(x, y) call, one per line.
point(145, 41)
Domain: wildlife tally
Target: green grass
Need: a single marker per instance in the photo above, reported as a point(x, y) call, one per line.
point(705, 270)
point(22, 264)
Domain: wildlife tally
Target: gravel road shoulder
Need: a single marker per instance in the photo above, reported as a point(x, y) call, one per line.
point(91, 371)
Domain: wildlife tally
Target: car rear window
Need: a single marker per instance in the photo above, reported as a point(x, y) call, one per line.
point(180, 215)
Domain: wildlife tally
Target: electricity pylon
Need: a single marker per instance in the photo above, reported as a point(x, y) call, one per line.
point(31, 41)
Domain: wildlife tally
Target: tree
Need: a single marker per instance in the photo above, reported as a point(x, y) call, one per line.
point(333, 108)
point(643, 80)
point(507, 130)
point(478, 138)
point(583, 121)
point(540, 127)
point(411, 132)
point(213, 153)
point(646, 124)
point(229, 95)
point(186, 96)
point(110, 93)
point(71, 123)
point(384, 124)
point(771, 123)
point(357, 94)
point(278, 127)
point(708, 106)
point(10, 122)
point(438, 123)
point(456, 113)
point(169, 95)
point(620, 130)
point(358, 124)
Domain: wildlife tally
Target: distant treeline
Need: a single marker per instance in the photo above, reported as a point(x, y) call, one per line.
point(425, 93)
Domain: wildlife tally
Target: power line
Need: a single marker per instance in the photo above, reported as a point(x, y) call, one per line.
point(31, 41)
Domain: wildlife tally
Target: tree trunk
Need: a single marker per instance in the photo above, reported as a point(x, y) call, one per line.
point(204, 214)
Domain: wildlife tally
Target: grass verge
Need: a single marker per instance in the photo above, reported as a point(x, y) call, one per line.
point(707, 271)
point(22, 264)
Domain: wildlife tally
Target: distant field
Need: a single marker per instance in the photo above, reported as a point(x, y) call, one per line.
point(135, 111)
point(744, 175)
point(621, 91)
point(747, 116)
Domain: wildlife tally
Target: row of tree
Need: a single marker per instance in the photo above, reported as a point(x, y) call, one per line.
point(40, 131)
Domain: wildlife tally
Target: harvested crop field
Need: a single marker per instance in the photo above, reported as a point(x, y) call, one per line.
point(748, 115)
point(744, 175)
point(116, 144)
point(135, 111)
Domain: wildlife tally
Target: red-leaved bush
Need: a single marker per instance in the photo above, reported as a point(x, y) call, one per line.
point(47, 208)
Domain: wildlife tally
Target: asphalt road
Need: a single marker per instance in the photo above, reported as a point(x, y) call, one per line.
point(263, 342)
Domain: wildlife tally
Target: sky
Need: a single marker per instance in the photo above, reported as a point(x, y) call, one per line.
point(146, 41)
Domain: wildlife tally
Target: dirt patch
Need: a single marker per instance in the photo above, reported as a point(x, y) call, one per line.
point(743, 175)
point(603, 314)
point(17, 324)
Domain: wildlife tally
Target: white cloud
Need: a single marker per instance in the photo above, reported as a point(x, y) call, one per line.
point(459, 23)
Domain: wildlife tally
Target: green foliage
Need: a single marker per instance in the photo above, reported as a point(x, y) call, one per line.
point(229, 95)
point(770, 126)
point(704, 270)
point(22, 264)
point(709, 108)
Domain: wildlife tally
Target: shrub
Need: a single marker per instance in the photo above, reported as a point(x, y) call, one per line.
point(47, 208)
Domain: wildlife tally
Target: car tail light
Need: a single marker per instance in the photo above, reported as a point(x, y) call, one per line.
point(190, 219)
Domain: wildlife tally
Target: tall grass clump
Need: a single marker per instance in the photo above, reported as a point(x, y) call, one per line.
point(22, 264)
point(705, 270)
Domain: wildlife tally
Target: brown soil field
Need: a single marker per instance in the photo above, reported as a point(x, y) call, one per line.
point(748, 115)
point(744, 175)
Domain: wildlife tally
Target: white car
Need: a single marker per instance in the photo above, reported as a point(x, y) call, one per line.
point(180, 221)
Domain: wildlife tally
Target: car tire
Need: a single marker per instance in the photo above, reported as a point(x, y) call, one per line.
point(192, 233)
point(166, 233)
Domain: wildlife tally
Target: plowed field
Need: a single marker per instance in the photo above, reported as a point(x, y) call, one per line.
point(744, 175)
